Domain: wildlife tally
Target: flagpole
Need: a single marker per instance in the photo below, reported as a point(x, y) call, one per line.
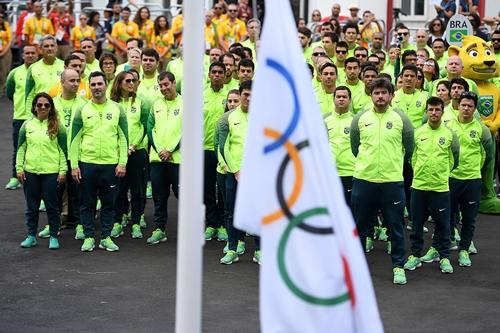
point(191, 211)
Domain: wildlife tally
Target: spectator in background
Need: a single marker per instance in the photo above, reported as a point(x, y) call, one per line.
point(101, 34)
point(233, 30)
point(446, 9)
point(5, 53)
point(63, 21)
point(122, 31)
point(163, 39)
point(475, 21)
point(82, 31)
point(436, 30)
point(315, 20)
point(354, 10)
point(25, 14)
point(244, 9)
point(146, 26)
point(37, 26)
point(368, 28)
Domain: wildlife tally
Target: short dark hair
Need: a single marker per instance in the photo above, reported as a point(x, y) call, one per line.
point(217, 64)
point(410, 67)
point(228, 54)
point(107, 55)
point(327, 24)
point(150, 52)
point(305, 31)
point(248, 50)
point(351, 25)
point(435, 101)
point(97, 74)
point(425, 50)
point(460, 81)
point(439, 40)
point(169, 75)
point(87, 39)
point(69, 58)
point(239, 52)
point(384, 76)
point(381, 83)
point(380, 52)
point(245, 85)
point(408, 53)
point(351, 59)
point(342, 88)
point(361, 48)
point(326, 65)
point(139, 41)
point(333, 36)
point(343, 44)
point(368, 68)
point(468, 95)
point(246, 63)
point(445, 83)
point(311, 68)
point(126, 9)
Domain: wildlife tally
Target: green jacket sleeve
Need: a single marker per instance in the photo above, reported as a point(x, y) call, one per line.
point(223, 135)
point(455, 150)
point(145, 106)
point(149, 129)
point(10, 86)
point(487, 143)
point(122, 138)
point(21, 149)
point(354, 133)
point(408, 135)
point(30, 84)
point(76, 138)
point(63, 151)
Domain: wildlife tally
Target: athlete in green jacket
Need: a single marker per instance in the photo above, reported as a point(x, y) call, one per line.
point(381, 139)
point(41, 166)
point(338, 125)
point(324, 92)
point(98, 156)
point(434, 156)
point(15, 88)
point(164, 132)
point(465, 181)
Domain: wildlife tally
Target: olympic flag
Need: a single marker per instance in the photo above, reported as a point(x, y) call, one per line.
point(314, 276)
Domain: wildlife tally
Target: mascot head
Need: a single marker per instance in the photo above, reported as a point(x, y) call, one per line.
point(478, 58)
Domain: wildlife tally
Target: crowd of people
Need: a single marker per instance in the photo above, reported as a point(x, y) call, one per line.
point(97, 125)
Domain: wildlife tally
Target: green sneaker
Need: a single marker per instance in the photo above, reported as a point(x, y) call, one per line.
point(453, 245)
point(445, 266)
point(257, 256)
point(98, 205)
point(222, 234)
point(409, 225)
point(426, 230)
point(369, 244)
point(382, 236)
point(79, 232)
point(149, 191)
point(241, 248)
point(412, 263)
point(210, 233)
point(229, 258)
point(13, 184)
point(226, 248)
point(472, 248)
point(142, 222)
point(136, 231)
point(457, 235)
point(463, 259)
point(432, 255)
point(45, 232)
point(117, 230)
point(108, 245)
point(88, 245)
point(30, 241)
point(42, 206)
point(157, 237)
point(125, 220)
point(53, 243)
point(406, 214)
point(389, 247)
point(399, 276)
point(376, 232)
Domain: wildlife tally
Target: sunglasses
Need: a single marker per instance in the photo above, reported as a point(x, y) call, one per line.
point(232, 10)
point(316, 15)
point(340, 52)
point(419, 77)
point(429, 63)
point(360, 55)
point(130, 80)
point(43, 105)
point(317, 54)
point(220, 8)
point(468, 94)
point(217, 72)
point(402, 33)
point(436, 25)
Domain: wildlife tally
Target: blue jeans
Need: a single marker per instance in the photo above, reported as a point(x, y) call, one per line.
point(97, 180)
point(38, 187)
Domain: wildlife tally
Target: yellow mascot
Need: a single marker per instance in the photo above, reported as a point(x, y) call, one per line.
point(481, 66)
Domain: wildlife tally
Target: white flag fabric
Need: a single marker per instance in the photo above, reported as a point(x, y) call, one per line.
point(313, 276)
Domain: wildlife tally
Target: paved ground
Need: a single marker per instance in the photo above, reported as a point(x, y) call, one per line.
point(134, 290)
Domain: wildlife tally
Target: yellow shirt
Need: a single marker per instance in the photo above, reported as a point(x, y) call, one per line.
point(83, 90)
point(36, 28)
point(123, 31)
point(210, 36)
point(79, 33)
point(162, 42)
point(5, 36)
point(146, 32)
point(232, 32)
point(177, 24)
point(219, 20)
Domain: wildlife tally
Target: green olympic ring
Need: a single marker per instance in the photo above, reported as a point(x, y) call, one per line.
point(282, 267)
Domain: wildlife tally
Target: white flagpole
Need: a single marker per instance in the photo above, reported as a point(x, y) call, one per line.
point(191, 211)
